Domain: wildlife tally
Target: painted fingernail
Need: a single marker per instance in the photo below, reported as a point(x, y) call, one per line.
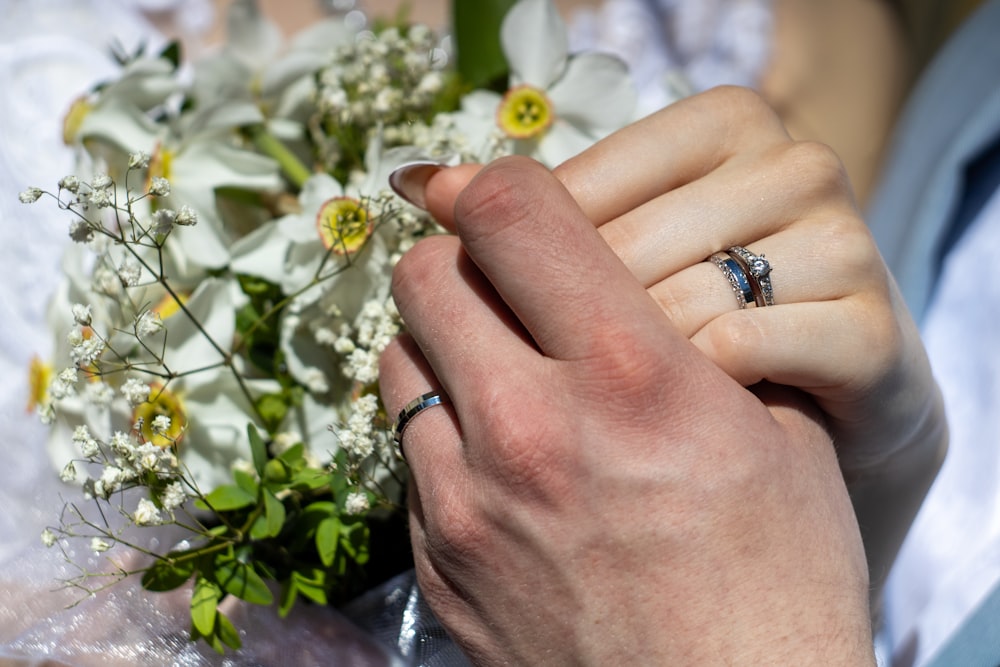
point(409, 180)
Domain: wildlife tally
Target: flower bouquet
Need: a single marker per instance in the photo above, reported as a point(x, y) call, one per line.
point(222, 312)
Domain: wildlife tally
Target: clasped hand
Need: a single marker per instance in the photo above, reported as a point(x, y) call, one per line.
point(604, 486)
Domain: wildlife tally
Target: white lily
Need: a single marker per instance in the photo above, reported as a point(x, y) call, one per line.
point(197, 157)
point(557, 104)
point(256, 64)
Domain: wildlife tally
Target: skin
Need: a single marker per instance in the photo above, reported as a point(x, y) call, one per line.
point(557, 431)
point(842, 333)
point(557, 515)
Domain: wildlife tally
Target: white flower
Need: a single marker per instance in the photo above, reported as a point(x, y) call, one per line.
point(88, 446)
point(186, 217)
point(161, 424)
point(356, 503)
point(130, 272)
point(135, 391)
point(98, 545)
point(138, 160)
point(163, 221)
point(68, 473)
point(122, 444)
point(148, 324)
point(102, 182)
point(82, 315)
point(85, 351)
point(557, 105)
point(70, 183)
point(81, 231)
point(159, 187)
point(148, 457)
point(173, 496)
point(146, 514)
point(48, 537)
point(30, 195)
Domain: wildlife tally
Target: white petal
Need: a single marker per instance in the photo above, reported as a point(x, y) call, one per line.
point(317, 189)
point(188, 347)
point(534, 40)
point(205, 245)
point(261, 253)
point(595, 94)
point(122, 125)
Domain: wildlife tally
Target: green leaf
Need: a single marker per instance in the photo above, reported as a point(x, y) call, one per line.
point(241, 580)
point(310, 479)
point(274, 513)
point(294, 455)
point(354, 540)
point(204, 602)
point(257, 449)
point(226, 498)
point(478, 56)
point(227, 632)
point(312, 586)
point(172, 53)
point(165, 575)
point(246, 482)
point(327, 536)
point(289, 593)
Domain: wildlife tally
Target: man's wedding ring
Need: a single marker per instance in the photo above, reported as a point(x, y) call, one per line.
point(411, 410)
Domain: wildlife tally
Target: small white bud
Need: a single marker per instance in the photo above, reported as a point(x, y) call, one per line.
point(30, 196)
point(160, 187)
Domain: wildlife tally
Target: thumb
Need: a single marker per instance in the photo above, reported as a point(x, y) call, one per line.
point(442, 190)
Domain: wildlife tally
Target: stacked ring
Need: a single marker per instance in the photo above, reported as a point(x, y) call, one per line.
point(737, 278)
point(748, 274)
point(759, 271)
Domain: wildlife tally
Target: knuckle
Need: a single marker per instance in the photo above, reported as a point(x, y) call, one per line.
point(496, 198)
point(816, 168)
point(419, 269)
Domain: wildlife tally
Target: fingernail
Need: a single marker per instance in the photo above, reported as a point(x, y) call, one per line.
point(409, 180)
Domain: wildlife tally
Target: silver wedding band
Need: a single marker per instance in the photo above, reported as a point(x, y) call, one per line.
point(748, 274)
point(736, 276)
point(411, 410)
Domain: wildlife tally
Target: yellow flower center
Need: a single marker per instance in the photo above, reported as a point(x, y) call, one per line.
point(39, 377)
point(168, 305)
point(160, 164)
point(525, 113)
point(78, 110)
point(161, 401)
point(343, 225)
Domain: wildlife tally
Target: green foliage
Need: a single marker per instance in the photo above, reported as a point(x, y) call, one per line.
point(479, 59)
point(282, 534)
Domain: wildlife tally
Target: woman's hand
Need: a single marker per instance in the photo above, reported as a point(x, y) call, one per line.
point(718, 170)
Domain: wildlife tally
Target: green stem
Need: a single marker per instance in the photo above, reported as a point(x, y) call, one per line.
point(269, 145)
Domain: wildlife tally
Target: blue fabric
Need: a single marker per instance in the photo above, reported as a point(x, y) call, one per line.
point(977, 643)
point(942, 166)
point(951, 117)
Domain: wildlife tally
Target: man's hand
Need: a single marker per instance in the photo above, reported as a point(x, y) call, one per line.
point(598, 491)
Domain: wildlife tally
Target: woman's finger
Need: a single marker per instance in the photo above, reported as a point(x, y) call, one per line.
point(810, 261)
point(677, 145)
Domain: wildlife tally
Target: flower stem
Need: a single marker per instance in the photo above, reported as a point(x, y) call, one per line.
point(268, 144)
